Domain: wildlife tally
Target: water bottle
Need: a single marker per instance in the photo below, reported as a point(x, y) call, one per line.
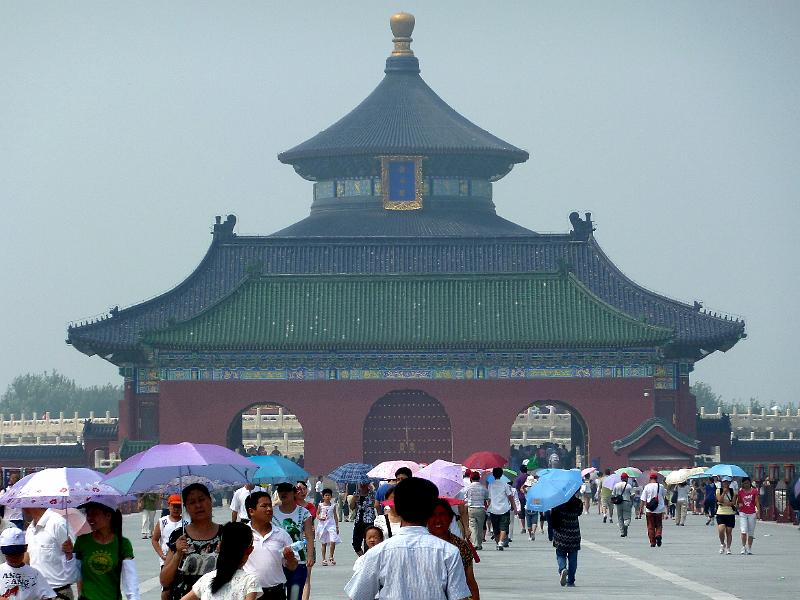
point(298, 545)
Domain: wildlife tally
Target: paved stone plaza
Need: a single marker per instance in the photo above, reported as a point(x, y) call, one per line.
point(687, 566)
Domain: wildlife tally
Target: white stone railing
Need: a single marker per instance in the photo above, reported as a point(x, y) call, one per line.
point(19, 429)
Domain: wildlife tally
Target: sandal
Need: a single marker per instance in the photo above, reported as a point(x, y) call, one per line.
point(332, 562)
point(324, 563)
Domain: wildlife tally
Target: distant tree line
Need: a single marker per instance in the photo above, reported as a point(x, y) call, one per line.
point(53, 392)
point(708, 399)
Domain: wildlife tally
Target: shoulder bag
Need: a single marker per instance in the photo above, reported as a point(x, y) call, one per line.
point(652, 504)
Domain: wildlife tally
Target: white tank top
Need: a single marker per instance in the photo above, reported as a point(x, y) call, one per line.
point(166, 526)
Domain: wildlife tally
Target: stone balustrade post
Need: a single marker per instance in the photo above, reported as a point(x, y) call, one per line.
point(752, 435)
point(772, 435)
point(702, 411)
point(285, 442)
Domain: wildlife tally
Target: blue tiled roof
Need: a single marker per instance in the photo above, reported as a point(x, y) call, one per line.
point(403, 115)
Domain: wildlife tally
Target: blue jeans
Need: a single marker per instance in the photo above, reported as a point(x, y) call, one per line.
point(570, 557)
point(295, 581)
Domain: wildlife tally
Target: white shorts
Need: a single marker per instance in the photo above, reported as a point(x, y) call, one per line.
point(747, 523)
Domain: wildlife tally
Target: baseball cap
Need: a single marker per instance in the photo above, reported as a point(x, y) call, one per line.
point(12, 541)
point(623, 476)
point(174, 499)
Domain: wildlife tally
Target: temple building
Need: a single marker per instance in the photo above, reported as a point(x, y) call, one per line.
point(405, 318)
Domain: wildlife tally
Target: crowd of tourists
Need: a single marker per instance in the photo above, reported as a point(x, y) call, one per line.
point(404, 535)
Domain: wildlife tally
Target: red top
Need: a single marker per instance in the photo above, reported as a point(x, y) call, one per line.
point(747, 500)
point(312, 509)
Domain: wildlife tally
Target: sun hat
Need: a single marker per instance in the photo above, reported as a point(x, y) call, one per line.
point(12, 541)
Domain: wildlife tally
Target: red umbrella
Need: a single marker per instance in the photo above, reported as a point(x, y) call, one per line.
point(485, 460)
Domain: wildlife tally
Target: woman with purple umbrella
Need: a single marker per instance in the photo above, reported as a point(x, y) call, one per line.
point(193, 547)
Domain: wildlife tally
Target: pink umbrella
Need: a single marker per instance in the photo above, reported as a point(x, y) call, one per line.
point(588, 471)
point(76, 520)
point(387, 469)
point(612, 480)
point(447, 476)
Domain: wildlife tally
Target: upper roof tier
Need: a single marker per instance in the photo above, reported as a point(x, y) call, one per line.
point(403, 116)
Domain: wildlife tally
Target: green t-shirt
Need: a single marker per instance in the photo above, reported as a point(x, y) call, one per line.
point(100, 568)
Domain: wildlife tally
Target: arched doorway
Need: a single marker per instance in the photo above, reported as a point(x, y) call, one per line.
point(549, 426)
point(407, 424)
point(267, 428)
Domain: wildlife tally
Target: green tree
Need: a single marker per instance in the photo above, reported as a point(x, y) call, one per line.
point(705, 397)
point(53, 392)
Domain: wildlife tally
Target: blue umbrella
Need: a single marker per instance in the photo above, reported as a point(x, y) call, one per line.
point(351, 473)
point(277, 469)
point(555, 487)
point(380, 493)
point(726, 471)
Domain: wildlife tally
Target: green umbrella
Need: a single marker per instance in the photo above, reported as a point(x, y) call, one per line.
point(631, 471)
point(665, 472)
point(510, 474)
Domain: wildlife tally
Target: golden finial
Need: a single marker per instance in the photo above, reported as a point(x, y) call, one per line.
point(402, 25)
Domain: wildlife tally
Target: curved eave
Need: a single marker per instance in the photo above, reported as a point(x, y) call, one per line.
point(646, 427)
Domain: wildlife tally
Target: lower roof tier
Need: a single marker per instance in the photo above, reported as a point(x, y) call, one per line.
point(402, 312)
point(230, 260)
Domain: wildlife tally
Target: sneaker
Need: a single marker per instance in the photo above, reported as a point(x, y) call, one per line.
point(499, 547)
point(523, 530)
point(722, 548)
point(727, 550)
point(743, 550)
point(611, 520)
point(625, 530)
point(604, 518)
point(533, 537)
point(749, 551)
point(658, 541)
point(652, 545)
point(563, 577)
point(479, 547)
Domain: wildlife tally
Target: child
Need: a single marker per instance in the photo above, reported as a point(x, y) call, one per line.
point(229, 580)
point(18, 580)
point(372, 537)
point(327, 526)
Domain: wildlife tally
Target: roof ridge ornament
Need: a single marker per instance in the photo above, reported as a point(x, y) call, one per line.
point(402, 25)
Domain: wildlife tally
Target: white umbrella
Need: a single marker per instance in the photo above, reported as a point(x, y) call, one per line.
point(64, 487)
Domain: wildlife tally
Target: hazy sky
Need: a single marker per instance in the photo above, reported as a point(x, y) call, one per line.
point(125, 127)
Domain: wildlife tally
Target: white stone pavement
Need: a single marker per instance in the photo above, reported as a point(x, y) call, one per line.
point(686, 566)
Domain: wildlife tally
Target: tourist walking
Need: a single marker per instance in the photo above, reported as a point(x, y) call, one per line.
point(621, 499)
point(18, 580)
point(606, 507)
point(531, 515)
point(297, 522)
point(272, 555)
point(476, 497)
point(726, 515)
point(229, 581)
point(327, 532)
point(147, 504)
point(501, 499)
point(653, 505)
point(586, 492)
point(710, 500)
point(566, 532)
point(519, 481)
point(364, 515)
point(45, 537)
point(389, 521)
point(749, 507)
point(104, 565)
point(165, 526)
point(682, 503)
point(192, 548)
point(319, 487)
point(238, 509)
point(636, 496)
point(439, 525)
point(413, 563)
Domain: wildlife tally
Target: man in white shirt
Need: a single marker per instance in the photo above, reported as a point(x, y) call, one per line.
point(271, 548)
point(318, 487)
point(413, 563)
point(654, 514)
point(44, 537)
point(501, 498)
point(238, 510)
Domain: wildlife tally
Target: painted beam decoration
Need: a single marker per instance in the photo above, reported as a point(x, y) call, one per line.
point(401, 179)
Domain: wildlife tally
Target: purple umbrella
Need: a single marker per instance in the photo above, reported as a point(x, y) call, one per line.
point(611, 480)
point(448, 477)
point(162, 464)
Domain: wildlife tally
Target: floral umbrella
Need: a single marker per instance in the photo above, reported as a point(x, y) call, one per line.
point(64, 487)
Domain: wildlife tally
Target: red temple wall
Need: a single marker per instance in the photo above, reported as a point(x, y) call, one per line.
point(332, 413)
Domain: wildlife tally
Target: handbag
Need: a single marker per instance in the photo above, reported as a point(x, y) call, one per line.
point(619, 499)
point(652, 504)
